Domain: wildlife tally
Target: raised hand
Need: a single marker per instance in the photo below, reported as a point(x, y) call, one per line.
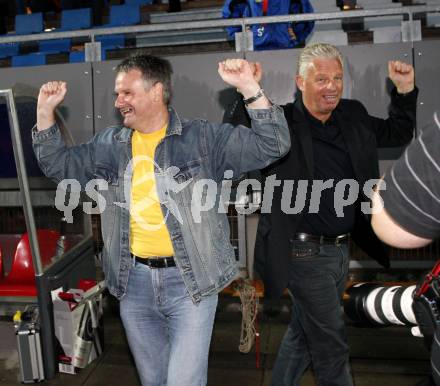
point(257, 70)
point(50, 96)
point(239, 73)
point(402, 75)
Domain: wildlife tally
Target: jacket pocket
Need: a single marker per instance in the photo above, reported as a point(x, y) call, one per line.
point(182, 183)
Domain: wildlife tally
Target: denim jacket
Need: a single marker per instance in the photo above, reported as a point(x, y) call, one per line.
point(191, 162)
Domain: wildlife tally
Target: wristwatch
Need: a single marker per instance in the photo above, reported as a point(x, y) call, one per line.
point(252, 99)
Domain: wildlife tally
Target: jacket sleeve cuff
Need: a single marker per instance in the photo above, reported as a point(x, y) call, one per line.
point(407, 96)
point(264, 113)
point(41, 136)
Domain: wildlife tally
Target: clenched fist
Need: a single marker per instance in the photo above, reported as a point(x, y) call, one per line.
point(245, 77)
point(402, 75)
point(240, 74)
point(50, 96)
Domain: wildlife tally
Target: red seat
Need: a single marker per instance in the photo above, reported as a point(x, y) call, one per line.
point(1, 265)
point(21, 279)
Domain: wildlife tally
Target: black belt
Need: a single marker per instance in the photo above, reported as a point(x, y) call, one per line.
point(320, 239)
point(156, 262)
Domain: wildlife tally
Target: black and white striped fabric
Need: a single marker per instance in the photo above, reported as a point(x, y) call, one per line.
point(412, 199)
point(412, 194)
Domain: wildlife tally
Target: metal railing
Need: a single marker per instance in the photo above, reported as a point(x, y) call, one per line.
point(243, 22)
point(23, 179)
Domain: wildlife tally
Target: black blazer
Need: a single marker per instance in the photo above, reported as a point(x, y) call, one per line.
point(363, 134)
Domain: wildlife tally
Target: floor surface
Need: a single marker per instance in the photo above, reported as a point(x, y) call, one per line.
point(387, 356)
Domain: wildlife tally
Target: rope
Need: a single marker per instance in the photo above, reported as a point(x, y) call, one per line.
point(249, 310)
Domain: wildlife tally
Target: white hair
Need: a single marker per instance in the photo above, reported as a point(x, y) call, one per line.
point(317, 50)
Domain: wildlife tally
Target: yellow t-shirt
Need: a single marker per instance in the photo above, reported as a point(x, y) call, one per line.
point(148, 233)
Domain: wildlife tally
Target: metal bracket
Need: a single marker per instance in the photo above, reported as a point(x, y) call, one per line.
point(244, 41)
point(416, 34)
point(93, 51)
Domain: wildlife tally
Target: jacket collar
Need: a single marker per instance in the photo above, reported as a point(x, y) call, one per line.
point(174, 123)
point(300, 130)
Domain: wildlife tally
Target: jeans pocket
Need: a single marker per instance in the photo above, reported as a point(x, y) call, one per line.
point(344, 263)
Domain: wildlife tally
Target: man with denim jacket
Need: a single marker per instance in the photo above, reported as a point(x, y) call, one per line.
point(166, 236)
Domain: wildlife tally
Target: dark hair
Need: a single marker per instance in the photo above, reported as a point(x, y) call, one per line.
point(153, 69)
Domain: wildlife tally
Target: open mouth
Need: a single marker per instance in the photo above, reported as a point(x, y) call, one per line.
point(330, 98)
point(126, 110)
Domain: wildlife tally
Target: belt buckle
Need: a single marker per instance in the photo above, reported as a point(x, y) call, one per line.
point(302, 236)
point(339, 239)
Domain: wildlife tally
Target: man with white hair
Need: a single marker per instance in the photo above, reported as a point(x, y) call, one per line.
point(302, 242)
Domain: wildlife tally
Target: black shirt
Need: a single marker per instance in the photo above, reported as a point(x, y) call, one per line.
point(331, 161)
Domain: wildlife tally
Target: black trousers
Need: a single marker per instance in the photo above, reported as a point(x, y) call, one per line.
point(316, 334)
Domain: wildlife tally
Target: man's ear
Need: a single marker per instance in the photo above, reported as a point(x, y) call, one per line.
point(299, 80)
point(158, 91)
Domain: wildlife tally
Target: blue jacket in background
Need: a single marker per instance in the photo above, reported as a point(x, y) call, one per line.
point(271, 36)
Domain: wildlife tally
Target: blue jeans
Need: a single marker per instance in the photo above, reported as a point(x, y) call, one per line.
point(168, 334)
point(316, 333)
